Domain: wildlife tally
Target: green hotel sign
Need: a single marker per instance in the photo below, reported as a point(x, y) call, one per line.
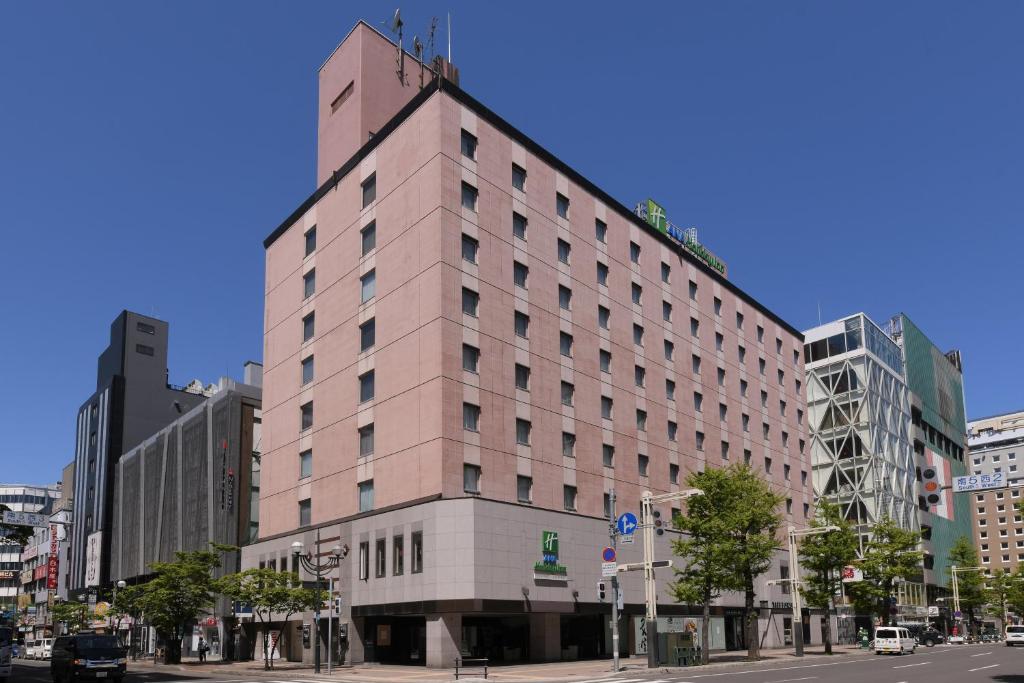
point(654, 214)
point(549, 551)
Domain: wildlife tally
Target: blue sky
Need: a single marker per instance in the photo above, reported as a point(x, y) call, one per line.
point(853, 155)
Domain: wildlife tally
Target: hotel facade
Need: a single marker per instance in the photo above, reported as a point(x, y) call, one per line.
point(468, 347)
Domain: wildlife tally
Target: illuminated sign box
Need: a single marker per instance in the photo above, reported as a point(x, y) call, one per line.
point(654, 215)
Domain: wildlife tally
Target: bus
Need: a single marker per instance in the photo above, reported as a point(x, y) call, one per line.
point(6, 652)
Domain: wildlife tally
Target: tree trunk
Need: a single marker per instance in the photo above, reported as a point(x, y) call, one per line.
point(826, 627)
point(705, 630)
point(753, 646)
point(172, 649)
point(266, 645)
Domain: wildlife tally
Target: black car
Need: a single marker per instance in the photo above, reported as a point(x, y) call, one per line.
point(930, 637)
point(87, 655)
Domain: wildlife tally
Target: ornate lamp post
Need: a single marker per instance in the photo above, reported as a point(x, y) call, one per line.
point(319, 569)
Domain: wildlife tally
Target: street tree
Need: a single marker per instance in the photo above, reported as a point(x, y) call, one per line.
point(1015, 591)
point(179, 593)
point(127, 604)
point(890, 556)
point(997, 591)
point(74, 615)
point(269, 593)
point(970, 583)
point(824, 556)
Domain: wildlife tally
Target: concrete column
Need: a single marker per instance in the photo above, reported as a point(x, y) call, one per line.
point(444, 637)
point(545, 637)
point(355, 651)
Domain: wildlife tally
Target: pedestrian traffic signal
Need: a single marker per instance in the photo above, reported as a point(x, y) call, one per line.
point(659, 526)
point(600, 591)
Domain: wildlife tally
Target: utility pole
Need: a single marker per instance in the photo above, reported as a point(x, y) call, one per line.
point(613, 536)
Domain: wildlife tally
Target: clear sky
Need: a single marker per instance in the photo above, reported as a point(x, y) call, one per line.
point(848, 155)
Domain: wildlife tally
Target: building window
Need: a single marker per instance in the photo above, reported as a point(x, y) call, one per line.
point(639, 375)
point(470, 247)
point(760, 366)
point(746, 456)
point(608, 455)
point(641, 420)
point(310, 238)
point(309, 284)
point(607, 499)
point(520, 273)
point(368, 238)
point(305, 464)
point(469, 196)
point(642, 462)
point(637, 293)
point(366, 440)
point(519, 178)
point(765, 430)
point(698, 401)
point(523, 428)
point(739, 320)
point(606, 407)
point(666, 311)
point(470, 417)
point(743, 388)
point(696, 364)
point(561, 205)
point(764, 399)
point(146, 328)
point(638, 335)
point(673, 473)
point(364, 560)
point(785, 472)
point(144, 349)
point(569, 497)
point(721, 377)
point(568, 445)
point(522, 377)
point(308, 327)
point(723, 412)
point(368, 286)
point(718, 306)
point(381, 552)
point(760, 334)
point(306, 416)
point(305, 512)
point(468, 144)
point(601, 230)
point(778, 345)
point(307, 370)
point(666, 272)
point(470, 358)
point(693, 290)
point(366, 388)
point(367, 335)
point(670, 390)
point(605, 358)
point(563, 251)
point(366, 495)
point(471, 478)
point(417, 552)
point(634, 252)
point(725, 450)
point(568, 392)
point(564, 298)
point(602, 274)
point(699, 438)
point(719, 339)
point(524, 489)
point(745, 419)
point(782, 408)
point(519, 226)
point(522, 324)
point(670, 350)
point(768, 465)
point(565, 344)
point(369, 190)
point(694, 328)
point(603, 317)
point(673, 428)
point(782, 377)
point(398, 555)
point(470, 302)
point(741, 353)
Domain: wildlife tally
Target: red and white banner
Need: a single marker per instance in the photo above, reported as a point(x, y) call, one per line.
point(53, 562)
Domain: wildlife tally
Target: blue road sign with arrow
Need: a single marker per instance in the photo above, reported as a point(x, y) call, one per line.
point(626, 523)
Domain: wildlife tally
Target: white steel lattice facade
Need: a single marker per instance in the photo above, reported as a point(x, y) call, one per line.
point(858, 410)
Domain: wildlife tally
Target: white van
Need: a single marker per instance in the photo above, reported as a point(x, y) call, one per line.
point(1014, 635)
point(894, 639)
point(44, 648)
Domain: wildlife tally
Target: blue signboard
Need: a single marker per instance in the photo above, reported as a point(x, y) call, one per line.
point(626, 524)
point(608, 554)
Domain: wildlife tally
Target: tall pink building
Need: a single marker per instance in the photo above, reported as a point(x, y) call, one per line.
point(468, 347)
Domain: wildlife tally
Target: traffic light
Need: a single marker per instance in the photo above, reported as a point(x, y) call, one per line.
point(659, 526)
point(600, 591)
point(930, 485)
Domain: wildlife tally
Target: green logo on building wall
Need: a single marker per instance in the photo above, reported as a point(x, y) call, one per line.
point(549, 551)
point(652, 212)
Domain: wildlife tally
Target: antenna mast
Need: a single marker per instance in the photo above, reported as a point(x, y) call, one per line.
point(449, 37)
point(396, 27)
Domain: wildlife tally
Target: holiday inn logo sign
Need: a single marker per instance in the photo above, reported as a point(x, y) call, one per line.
point(654, 214)
point(549, 552)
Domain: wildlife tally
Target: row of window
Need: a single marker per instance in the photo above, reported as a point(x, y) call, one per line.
point(380, 567)
point(1003, 533)
point(996, 457)
point(1017, 519)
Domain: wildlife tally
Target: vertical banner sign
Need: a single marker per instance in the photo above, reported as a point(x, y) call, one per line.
point(52, 564)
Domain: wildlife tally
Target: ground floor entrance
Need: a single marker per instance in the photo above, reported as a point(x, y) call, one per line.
point(395, 640)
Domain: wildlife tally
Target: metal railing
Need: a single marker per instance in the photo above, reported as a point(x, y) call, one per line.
point(462, 663)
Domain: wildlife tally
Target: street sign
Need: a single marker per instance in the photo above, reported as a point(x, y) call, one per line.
point(608, 555)
point(608, 568)
point(852, 574)
point(933, 610)
point(638, 566)
point(25, 518)
point(978, 482)
point(958, 614)
point(626, 523)
point(626, 539)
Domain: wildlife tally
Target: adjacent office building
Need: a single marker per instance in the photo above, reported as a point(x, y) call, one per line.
point(469, 346)
point(20, 498)
point(996, 446)
point(132, 401)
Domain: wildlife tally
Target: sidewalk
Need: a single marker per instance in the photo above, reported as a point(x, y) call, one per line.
point(555, 672)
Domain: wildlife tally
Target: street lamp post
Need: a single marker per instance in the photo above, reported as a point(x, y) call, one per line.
point(794, 570)
point(113, 604)
point(319, 570)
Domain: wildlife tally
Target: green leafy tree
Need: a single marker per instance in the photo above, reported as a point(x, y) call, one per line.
point(970, 583)
point(178, 594)
point(15, 534)
point(890, 556)
point(127, 603)
point(270, 593)
point(1015, 591)
point(823, 556)
point(997, 593)
point(706, 551)
point(74, 615)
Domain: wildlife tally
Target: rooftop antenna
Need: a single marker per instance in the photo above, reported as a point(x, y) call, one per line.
point(396, 27)
point(430, 37)
point(417, 48)
point(449, 37)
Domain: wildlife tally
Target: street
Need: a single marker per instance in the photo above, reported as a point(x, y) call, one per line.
point(943, 664)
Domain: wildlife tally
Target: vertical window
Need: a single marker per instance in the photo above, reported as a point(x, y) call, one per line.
point(569, 497)
point(310, 240)
point(605, 358)
point(698, 401)
point(739, 320)
point(561, 205)
point(519, 178)
point(637, 293)
point(603, 316)
point(469, 196)
point(563, 251)
point(366, 387)
point(470, 247)
point(638, 335)
point(606, 407)
point(607, 498)
point(518, 226)
point(673, 473)
point(765, 430)
point(524, 489)
point(721, 377)
point(641, 420)
point(368, 238)
point(601, 230)
point(696, 364)
point(398, 555)
point(639, 375)
point(642, 462)
point(673, 429)
point(745, 420)
point(666, 272)
point(608, 455)
point(364, 560)
point(768, 465)
point(747, 456)
point(367, 334)
point(778, 345)
point(760, 334)
point(305, 512)
point(718, 306)
point(471, 478)
point(522, 377)
point(369, 190)
point(568, 445)
point(470, 302)
point(368, 286)
point(670, 350)
point(666, 311)
point(760, 366)
point(693, 290)
point(468, 144)
point(782, 408)
point(306, 416)
point(308, 327)
point(719, 339)
point(782, 377)
point(380, 553)
point(309, 284)
point(366, 440)
point(565, 344)
point(634, 252)
point(699, 438)
point(725, 450)
point(305, 464)
point(602, 274)
point(470, 358)
point(522, 325)
point(307, 370)
point(568, 393)
point(743, 388)
point(520, 273)
point(564, 298)
point(470, 417)
point(523, 429)
point(670, 390)
point(785, 472)
point(723, 412)
point(694, 327)
point(741, 353)
point(366, 495)
point(764, 399)
point(417, 552)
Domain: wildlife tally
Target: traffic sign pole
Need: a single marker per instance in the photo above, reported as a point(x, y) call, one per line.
point(615, 585)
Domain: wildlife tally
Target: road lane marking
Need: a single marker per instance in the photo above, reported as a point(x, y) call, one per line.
point(788, 680)
point(981, 654)
point(781, 668)
point(904, 666)
point(982, 667)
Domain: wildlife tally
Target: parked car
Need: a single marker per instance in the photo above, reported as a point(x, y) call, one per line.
point(930, 637)
point(893, 639)
point(30, 649)
point(44, 649)
point(87, 655)
point(1014, 635)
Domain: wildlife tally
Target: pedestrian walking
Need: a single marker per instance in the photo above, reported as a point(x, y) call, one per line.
point(203, 649)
